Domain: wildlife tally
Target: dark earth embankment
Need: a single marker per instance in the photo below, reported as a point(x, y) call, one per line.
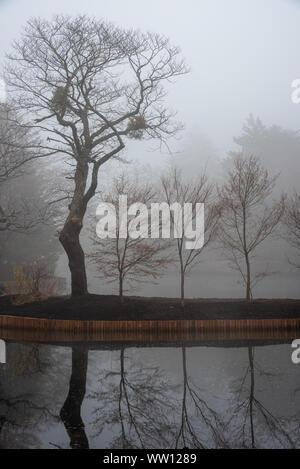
point(108, 307)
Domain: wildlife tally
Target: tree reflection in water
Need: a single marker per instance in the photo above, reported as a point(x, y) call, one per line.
point(204, 428)
point(71, 410)
point(22, 406)
point(148, 406)
point(143, 405)
point(137, 401)
point(251, 417)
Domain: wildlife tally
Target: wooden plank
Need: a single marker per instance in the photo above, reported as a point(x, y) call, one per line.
point(154, 330)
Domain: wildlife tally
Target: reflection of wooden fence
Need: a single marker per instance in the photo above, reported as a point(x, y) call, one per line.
point(20, 328)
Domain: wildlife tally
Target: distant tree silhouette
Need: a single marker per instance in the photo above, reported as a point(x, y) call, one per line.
point(176, 188)
point(292, 223)
point(18, 148)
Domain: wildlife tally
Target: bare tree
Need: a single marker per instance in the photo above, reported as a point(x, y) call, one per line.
point(129, 258)
point(247, 220)
point(136, 398)
point(250, 416)
point(177, 189)
point(292, 222)
point(23, 413)
point(16, 153)
point(14, 144)
point(192, 435)
point(41, 277)
point(88, 85)
point(33, 281)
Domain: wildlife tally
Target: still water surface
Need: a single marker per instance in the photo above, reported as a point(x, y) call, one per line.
point(215, 395)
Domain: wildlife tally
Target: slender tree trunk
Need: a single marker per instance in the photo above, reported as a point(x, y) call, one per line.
point(182, 287)
point(124, 440)
point(245, 246)
point(184, 399)
point(182, 271)
point(121, 288)
point(248, 278)
point(251, 397)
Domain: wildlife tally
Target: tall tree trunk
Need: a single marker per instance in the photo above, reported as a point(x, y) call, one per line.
point(69, 238)
point(71, 410)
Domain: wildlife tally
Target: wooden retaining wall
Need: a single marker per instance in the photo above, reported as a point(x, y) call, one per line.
point(36, 329)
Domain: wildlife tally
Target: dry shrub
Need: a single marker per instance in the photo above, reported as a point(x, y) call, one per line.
point(32, 282)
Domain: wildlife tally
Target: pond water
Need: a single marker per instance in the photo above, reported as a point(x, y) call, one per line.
point(213, 395)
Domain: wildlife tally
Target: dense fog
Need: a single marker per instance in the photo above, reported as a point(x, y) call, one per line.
point(236, 98)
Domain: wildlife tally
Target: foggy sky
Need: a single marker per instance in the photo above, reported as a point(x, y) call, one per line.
point(243, 55)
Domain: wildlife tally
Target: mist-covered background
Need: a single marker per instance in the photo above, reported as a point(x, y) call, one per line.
point(243, 56)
